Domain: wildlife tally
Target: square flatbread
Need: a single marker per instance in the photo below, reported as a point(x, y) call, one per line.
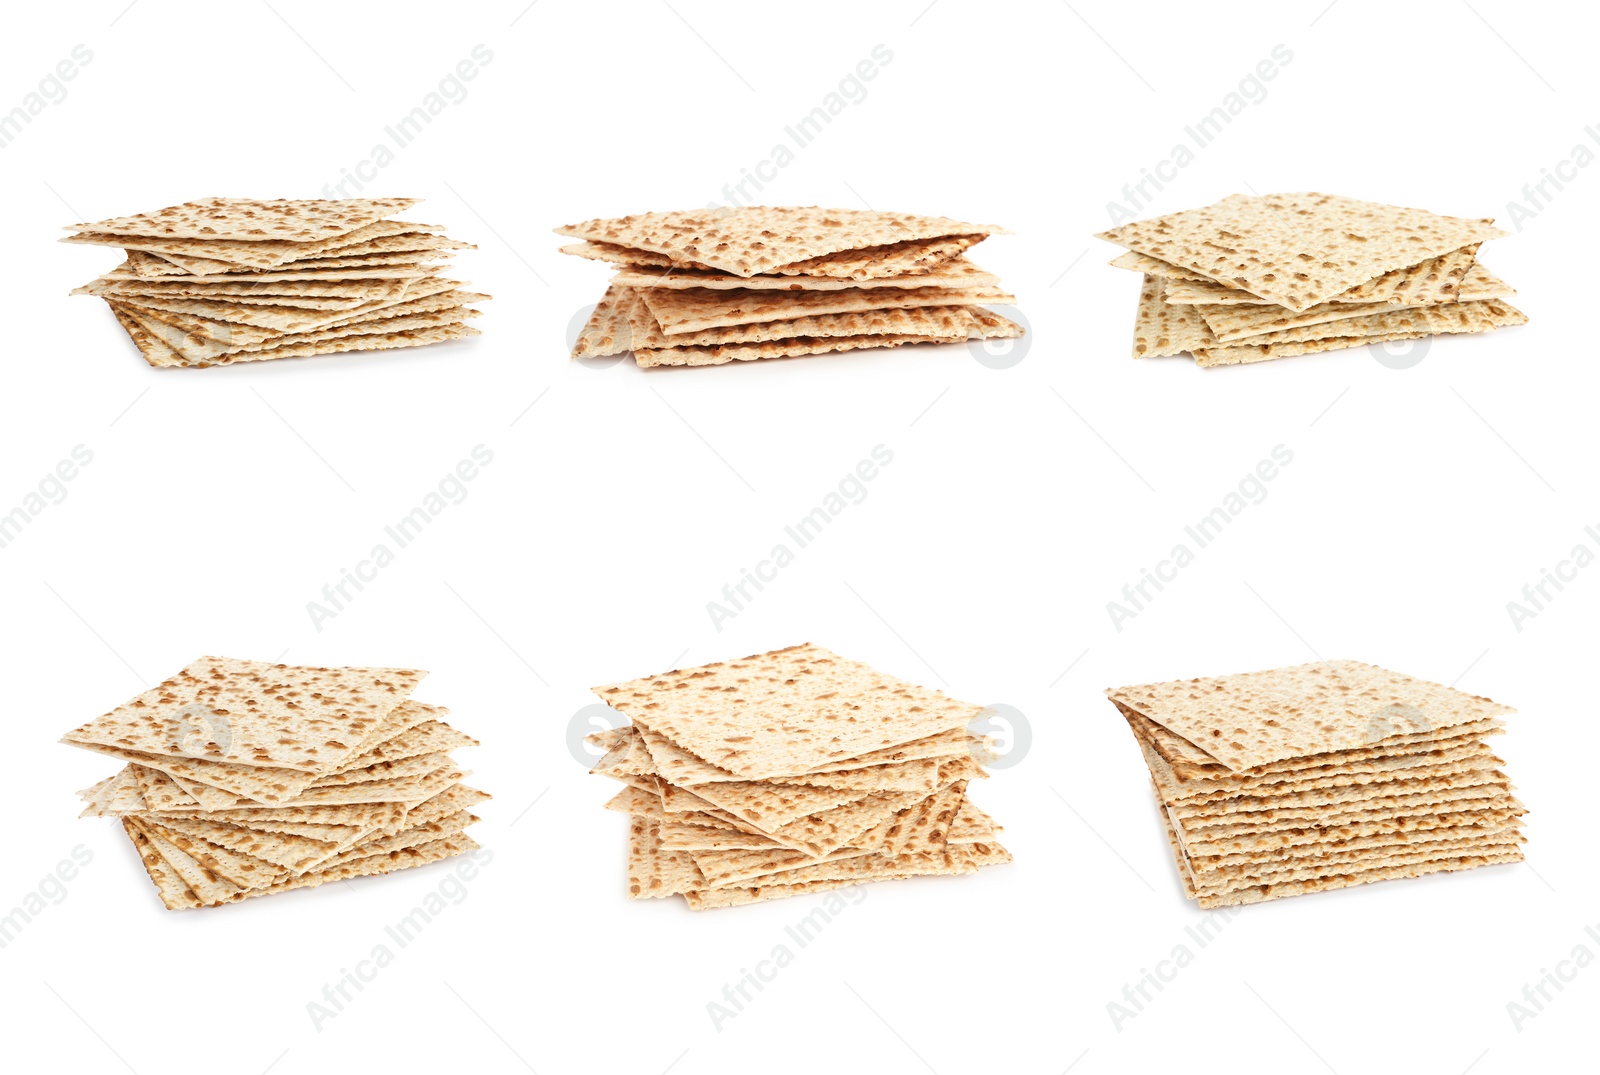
point(622, 322)
point(1465, 317)
point(1436, 280)
point(203, 256)
point(1162, 329)
point(1300, 249)
point(796, 348)
point(957, 272)
point(270, 317)
point(784, 712)
point(254, 713)
point(760, 239)
point(907, 259)
point(1260, 717)
point(200, 351)
point(290, 220)
point(1453, 317)
point(697, 309)
point(1266, 324)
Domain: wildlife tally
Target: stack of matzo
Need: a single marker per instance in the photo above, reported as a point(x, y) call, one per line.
point(1255, 278)
point(788, 773)
point(227, 280)
point(711, 286)
point(249, 779)
point(1321, 776)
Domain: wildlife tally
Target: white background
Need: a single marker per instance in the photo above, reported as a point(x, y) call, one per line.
point(619, 502)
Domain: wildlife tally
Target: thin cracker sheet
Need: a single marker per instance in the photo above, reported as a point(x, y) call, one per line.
point(825, 877)
point(723, 868)
point(1440, 279)
point(952, 743)
point(751, 240)
point(655, 871)
point(1262, 893)
point(274, 317)
point(787, 711)
point(771, 806)
point(697, 309)
point(1400, 812)
point(1352, 792)
point(132, 271)
point(826, 832)
point(305, 718)
point(115, 795)
point(372, 335)
point(151, 347)
point(1246, 843)
point(1313, 708)
point(1469, 755)
point(292, 853)
point(1456, 317)
point(1161, 329)
point(1385, 740)
point(955, 273)
point(795, 348)
point(1299, 249)
point(204, 257)
point(431, 736)
point(1305, 844)
point(910, 258)
point(292, 220)
point(174, 894)
point(200, 342)
point(353, 291)
point(1485, 317)
point(622, 322)
point(686, 836)
point(1271, 324)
